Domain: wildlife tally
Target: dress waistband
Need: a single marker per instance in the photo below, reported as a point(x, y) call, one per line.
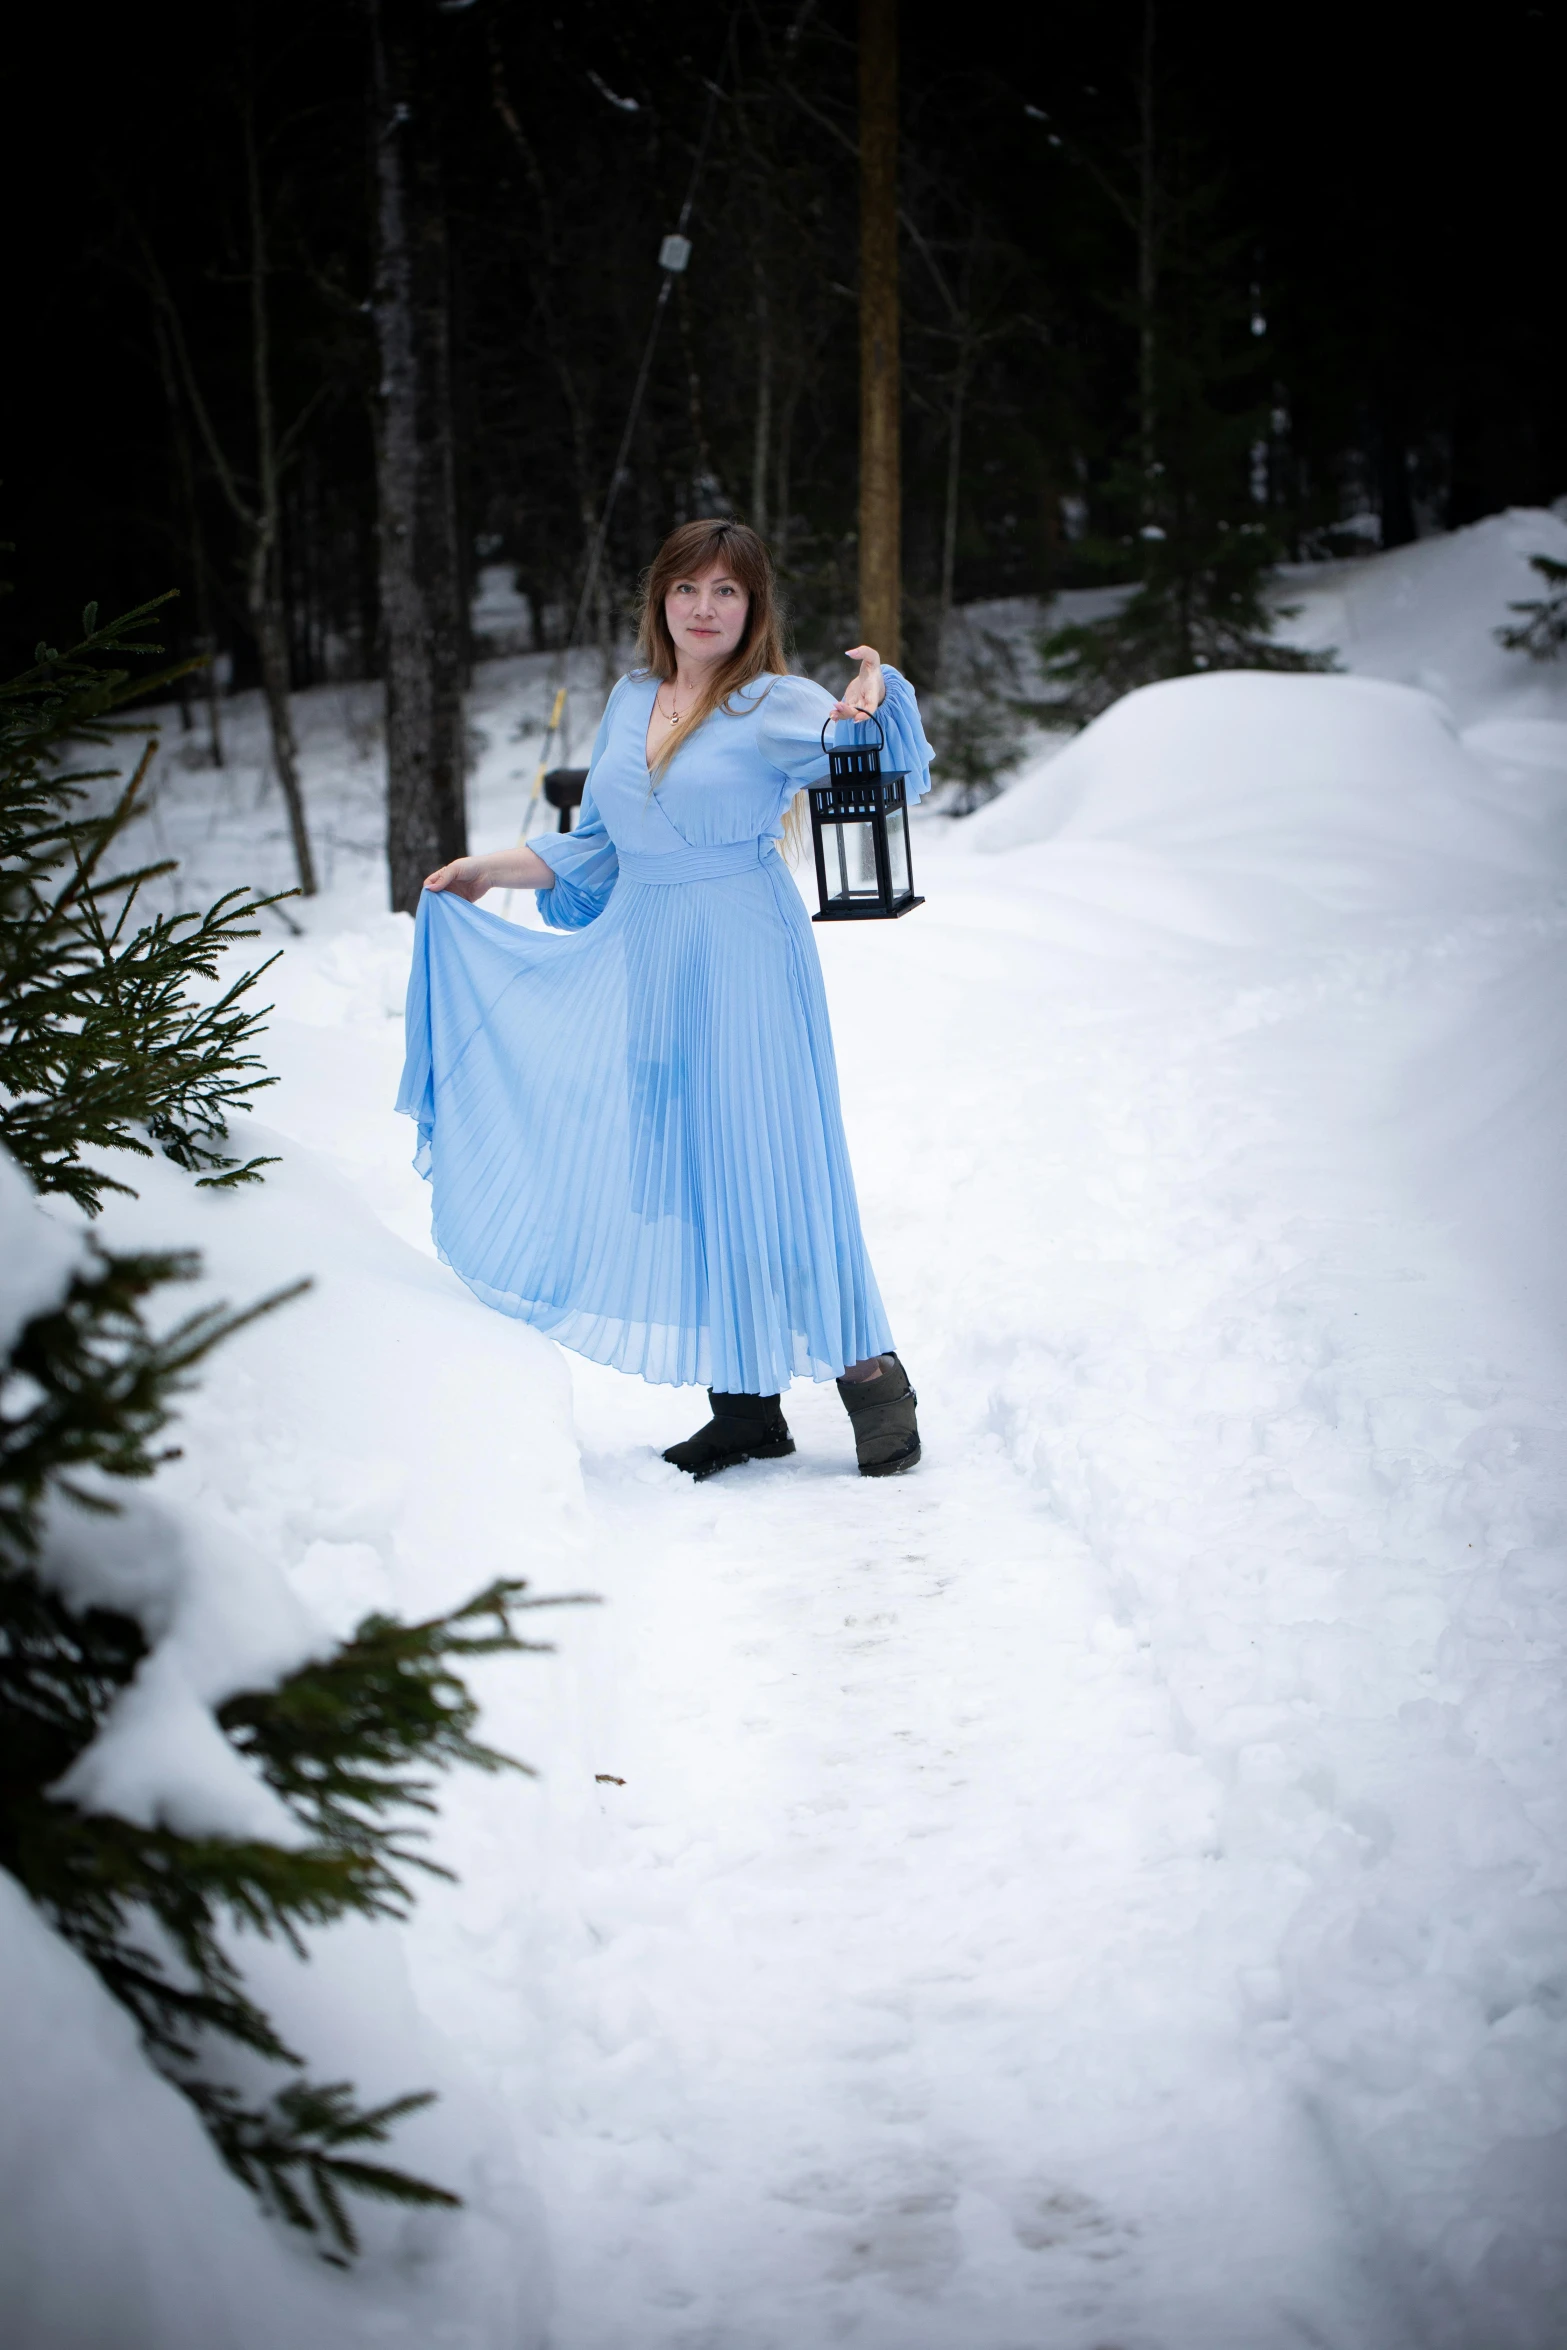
point(714, 864)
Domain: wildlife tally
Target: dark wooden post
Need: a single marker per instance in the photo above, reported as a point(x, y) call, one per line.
point(880, 496)
point(423, 632)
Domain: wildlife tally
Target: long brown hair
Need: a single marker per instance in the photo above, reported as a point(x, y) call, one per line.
point(687, 552)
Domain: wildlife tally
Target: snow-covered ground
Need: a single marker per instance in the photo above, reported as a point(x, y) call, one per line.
point(1107, 1889)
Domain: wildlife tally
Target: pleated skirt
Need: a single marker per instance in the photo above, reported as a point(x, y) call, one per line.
point(633, 1136)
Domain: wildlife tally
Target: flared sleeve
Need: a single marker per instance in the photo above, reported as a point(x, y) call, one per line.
point(795, 711)
point(583, 861)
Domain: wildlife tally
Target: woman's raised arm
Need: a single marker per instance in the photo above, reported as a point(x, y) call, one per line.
point(470, 877)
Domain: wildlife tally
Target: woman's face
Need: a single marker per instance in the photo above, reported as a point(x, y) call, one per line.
point(707, 614)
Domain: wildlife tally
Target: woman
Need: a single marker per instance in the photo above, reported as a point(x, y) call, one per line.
point(633, 1134)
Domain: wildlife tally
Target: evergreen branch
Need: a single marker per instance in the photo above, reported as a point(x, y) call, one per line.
point(101, 1043)
point(88, 1386)
point(99, 1385)
point(1542, 631)
point(68, 695)
point(289, 2153)
point(350, 1739)
point(1199, 608)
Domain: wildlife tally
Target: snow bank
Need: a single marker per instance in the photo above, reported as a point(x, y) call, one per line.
point(1426, 615)
point(37, 1259)
point(1279, 810)
point(1290, 796)
point(121, 2227)
point(302, 1500)
point(311, 1431)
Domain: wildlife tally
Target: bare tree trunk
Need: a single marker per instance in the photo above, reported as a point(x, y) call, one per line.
point(264, 581)
point(782, 483)
point(880, 492)
point(269, 623)
point(264, 567)
point(212, 690)
point(1147, 273)
point(705, 481)
point(259, 519)
point(949, 521)
point(762, 437)
point(547, 263)
point(195, 541)
point(422, 620)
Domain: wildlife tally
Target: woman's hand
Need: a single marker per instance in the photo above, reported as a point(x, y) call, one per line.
point(470, 877)
point(465, 877)
point(868, 690)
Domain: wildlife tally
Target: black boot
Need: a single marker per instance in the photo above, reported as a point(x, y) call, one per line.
point(742, 1428)
point(886, 1433)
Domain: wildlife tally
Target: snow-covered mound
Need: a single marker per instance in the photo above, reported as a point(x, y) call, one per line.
point(1343, 792)
point(1272, 809)
point(1426, 615)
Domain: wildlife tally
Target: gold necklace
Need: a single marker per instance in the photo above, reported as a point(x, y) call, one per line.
point(671, 716)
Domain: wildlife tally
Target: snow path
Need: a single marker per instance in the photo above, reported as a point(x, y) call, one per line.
point(1013, 1928)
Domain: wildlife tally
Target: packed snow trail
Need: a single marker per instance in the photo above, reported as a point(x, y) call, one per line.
point(1105, 1891)
point(950, 1969)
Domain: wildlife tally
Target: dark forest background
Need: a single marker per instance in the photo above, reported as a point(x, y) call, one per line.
point(1357, 306)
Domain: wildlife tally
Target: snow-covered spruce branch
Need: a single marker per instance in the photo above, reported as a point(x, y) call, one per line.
point(350, 1742)
point(1541, 631)
point(102, 1043)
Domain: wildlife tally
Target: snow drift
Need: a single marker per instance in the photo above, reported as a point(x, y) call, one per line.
point(1290, 797)
point(296, 1509)
point(1284, 811)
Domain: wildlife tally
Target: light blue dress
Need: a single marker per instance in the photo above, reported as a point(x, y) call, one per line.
point(632, 1133)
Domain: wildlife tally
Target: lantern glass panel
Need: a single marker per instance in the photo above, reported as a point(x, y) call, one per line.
point(898, 853)
point(850, 856)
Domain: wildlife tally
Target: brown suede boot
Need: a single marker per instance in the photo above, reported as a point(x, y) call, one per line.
point(742, 1428)
point(886, 1433)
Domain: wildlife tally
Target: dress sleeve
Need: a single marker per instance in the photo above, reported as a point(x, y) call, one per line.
point(795, 711)
point(584, 860)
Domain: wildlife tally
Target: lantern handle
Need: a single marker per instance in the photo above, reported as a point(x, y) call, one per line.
point(870, 719)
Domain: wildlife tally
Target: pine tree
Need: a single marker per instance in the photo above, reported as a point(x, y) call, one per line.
point(102, 1044)
point(1542, 631)
point(97, 1040)
point(1201, 604)
point(1190, 501)
point(974, 717)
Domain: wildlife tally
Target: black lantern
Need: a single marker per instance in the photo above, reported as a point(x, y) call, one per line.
point(860, 831)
